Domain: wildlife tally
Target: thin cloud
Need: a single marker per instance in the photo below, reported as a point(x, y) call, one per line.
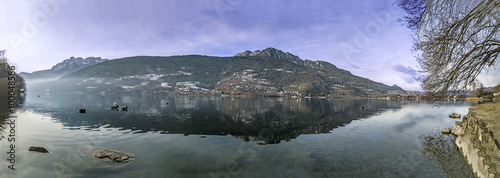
point(408, 74)
point(403, 69)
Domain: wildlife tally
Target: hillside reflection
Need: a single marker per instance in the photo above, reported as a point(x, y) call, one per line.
point(5, 115)
point(271, 120)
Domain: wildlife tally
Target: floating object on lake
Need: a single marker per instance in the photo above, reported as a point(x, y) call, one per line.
point(82, 111)
point(38, 96)
point(125, 109)
point(166, 103)
point(362, 107)
point(115, 104)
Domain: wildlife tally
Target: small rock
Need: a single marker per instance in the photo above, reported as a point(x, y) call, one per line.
point(446, 131)
point(38, 149)
point(455, 115)
point(203, 136)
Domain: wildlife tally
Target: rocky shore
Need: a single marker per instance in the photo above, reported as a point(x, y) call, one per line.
point(478, 138)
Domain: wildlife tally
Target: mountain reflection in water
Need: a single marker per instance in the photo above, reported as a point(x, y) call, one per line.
point(379, 138)
point(270, 120)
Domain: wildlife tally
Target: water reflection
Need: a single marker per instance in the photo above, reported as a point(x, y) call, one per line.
point(378, 138)
point(271, 120)
point(4, 113)
point(441, 148)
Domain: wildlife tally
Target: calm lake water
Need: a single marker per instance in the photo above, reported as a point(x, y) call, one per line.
point(233, 137)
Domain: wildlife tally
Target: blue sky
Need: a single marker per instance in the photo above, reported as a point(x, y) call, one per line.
point(362, 36)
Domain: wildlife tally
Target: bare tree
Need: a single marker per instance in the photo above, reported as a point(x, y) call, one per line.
point(415, 10)
point(6, 72)
point(456, 41)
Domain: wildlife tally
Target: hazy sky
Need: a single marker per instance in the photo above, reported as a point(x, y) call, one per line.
point(362, 36)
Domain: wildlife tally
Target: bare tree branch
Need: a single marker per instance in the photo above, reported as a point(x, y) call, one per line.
point(458, 39)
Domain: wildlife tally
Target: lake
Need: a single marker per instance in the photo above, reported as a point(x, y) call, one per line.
point(214, 136)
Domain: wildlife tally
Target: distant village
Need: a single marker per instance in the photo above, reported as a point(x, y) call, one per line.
point(256, 88)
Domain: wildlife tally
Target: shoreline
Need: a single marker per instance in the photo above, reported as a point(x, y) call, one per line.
point(477, 138)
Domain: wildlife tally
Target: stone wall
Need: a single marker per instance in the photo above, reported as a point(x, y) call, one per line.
point(477, 139)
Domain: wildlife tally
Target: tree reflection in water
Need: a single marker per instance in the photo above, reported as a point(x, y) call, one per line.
point(441, 147)
point(268, 120)
point(4, 114)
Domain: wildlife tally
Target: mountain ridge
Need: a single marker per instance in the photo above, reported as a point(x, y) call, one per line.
point(271, 53)
point(269, 72)
point(63, 68)
point(278, 54)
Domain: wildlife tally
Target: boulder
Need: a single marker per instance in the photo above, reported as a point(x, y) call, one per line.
point(446, 131)
point(113, 155)
point(88, 157)
point(455, 115)
point(77, 161)
point(38, 149)
point(457, 130)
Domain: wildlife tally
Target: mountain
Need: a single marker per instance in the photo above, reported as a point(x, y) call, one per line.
point(65, 67)
point(278, 54)
point(269, 72)
point(272, 53)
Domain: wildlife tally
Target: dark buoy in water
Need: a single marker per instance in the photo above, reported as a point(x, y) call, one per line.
point(38, 96)
point(82, 111)
point(362, 107)
point(125, 109)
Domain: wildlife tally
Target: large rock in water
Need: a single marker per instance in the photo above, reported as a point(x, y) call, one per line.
point(88, 157)
point(38, 149)
point(113, 155)
point(455, 115)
